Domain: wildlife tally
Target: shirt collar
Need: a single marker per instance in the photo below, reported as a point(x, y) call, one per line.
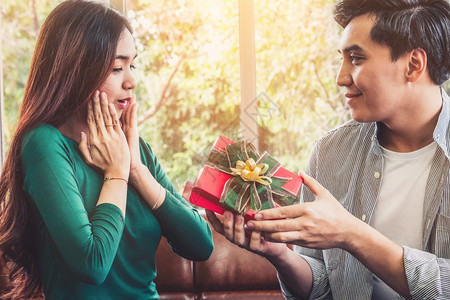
point(441, 133)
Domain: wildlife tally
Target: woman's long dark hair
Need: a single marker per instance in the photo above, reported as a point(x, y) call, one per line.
point(73, 56)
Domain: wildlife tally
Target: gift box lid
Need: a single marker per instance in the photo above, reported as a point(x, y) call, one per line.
point(292, 185)
point(208, 187)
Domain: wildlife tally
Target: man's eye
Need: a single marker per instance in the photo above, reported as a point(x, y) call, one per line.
point(354, 58)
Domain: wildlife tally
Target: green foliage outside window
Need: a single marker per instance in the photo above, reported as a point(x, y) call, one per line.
point(189, 77)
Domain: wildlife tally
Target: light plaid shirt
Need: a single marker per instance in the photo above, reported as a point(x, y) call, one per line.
point(347, 161)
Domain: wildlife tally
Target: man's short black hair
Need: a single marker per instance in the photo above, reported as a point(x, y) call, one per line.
point(405, 25)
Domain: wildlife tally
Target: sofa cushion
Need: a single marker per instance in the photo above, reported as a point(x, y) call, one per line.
point(175, 274)
point(231, 268)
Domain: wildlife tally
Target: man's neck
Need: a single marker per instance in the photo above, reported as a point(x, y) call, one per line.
point(415, 130)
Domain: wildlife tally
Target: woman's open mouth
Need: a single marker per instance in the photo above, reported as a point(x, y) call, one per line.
point(123, 103)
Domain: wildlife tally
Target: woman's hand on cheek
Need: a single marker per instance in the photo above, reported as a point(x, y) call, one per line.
point(130, 128)
point(106, 147)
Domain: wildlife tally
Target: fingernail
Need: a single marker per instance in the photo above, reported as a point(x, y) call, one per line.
point(258, 216)
point(250, 225)
point(227, 215)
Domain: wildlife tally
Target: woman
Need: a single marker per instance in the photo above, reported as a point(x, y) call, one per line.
point(83, 199)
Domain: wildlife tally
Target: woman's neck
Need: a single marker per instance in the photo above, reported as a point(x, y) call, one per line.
point(73, 127)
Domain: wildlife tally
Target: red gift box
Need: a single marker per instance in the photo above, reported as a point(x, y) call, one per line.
point(207, 189)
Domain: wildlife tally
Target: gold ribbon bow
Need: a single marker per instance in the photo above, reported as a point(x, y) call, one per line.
point(249, 171)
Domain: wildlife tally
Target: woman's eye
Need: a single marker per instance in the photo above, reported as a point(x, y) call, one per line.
point(132, 67)
point(117, 69)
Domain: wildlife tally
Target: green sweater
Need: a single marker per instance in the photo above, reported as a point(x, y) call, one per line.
point(85, 251)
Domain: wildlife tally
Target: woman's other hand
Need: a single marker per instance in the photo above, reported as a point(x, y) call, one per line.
point(130, 128)
point(106, 147)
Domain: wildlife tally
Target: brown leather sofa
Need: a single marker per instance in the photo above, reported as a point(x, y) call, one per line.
point(230, 273)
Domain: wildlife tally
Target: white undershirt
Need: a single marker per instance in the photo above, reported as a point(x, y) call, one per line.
point(399, 210)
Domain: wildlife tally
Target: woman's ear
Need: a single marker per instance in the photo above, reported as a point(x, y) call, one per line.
point(417, 64)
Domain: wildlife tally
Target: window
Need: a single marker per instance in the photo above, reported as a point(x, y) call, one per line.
point(190, 67)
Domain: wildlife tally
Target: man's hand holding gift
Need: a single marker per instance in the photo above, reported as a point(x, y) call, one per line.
point(233, 227)
point(321, 224)
point(258, 199)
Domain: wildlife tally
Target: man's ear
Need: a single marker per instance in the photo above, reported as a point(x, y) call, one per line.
point(417, 64)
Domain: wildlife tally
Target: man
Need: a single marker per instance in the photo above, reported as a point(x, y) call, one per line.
point(378, 224)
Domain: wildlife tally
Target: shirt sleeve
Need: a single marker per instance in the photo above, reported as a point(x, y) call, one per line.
point(86, 242)
point(428, 276)
point(185, 229)
point(321, 287)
